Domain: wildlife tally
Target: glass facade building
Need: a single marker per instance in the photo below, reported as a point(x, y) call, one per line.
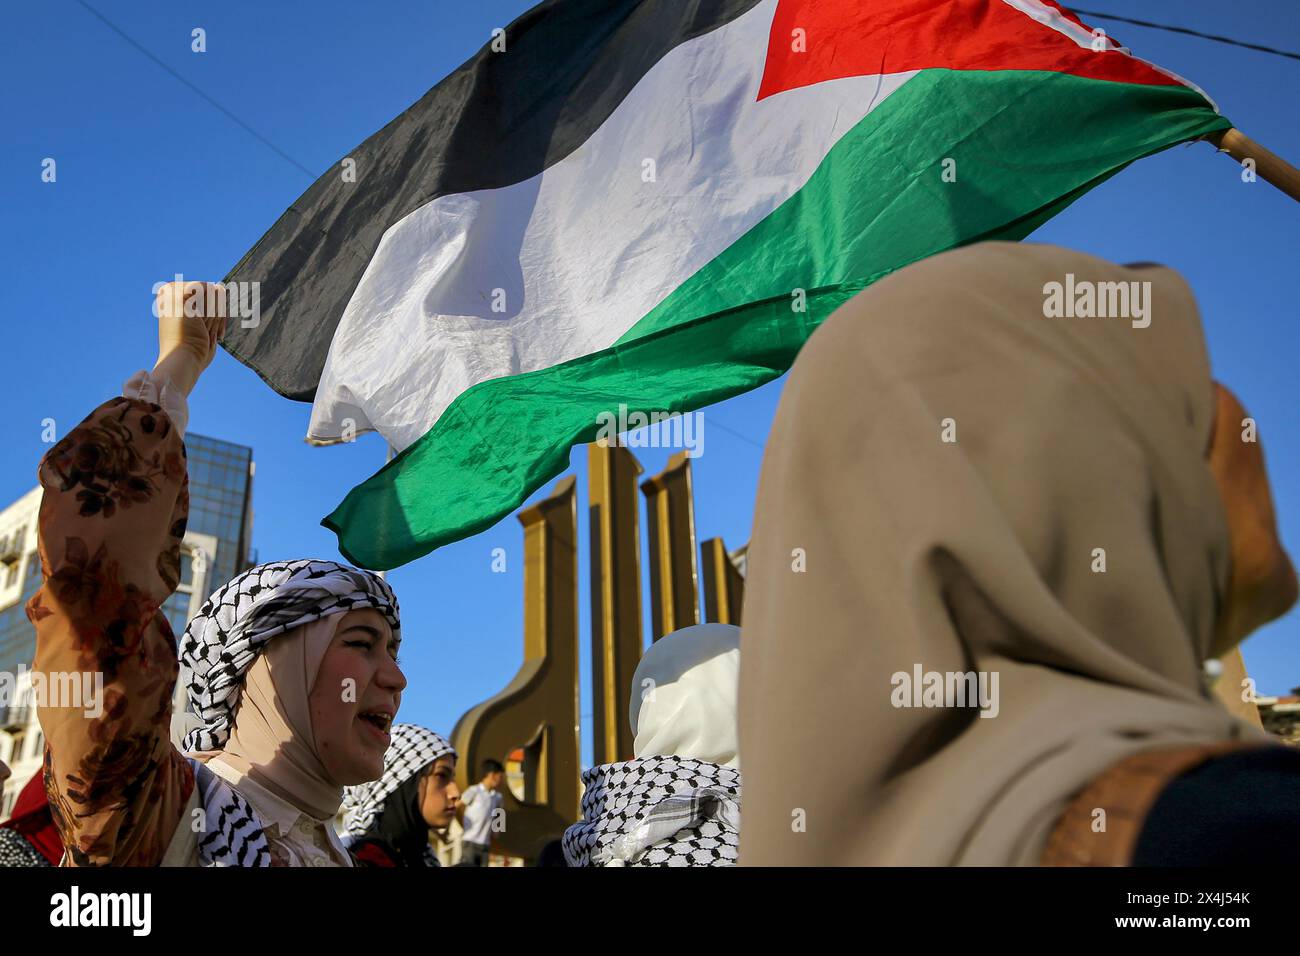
point(221, 507)
point(216, 544)
point(17, 638)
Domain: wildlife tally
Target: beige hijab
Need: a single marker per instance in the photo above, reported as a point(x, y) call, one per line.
point(1073, 434)
point(272, 740)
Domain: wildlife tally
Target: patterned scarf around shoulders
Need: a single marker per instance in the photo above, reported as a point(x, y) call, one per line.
point(657, 811)
point(233, 833)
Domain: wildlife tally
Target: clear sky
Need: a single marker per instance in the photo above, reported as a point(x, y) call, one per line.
point(153, 180)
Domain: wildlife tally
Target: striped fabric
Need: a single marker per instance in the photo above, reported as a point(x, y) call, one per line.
point(652, 204)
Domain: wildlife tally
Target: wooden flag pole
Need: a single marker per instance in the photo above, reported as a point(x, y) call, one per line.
point(1268, 165)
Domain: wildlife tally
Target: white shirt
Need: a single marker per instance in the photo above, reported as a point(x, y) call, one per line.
point(480, 806)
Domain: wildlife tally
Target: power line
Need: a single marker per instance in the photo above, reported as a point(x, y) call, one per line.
point(299, 166)
point(731, 431)
point(1189, 32)
point(125, 36)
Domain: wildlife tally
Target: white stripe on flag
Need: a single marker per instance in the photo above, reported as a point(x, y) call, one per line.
point(497, 282)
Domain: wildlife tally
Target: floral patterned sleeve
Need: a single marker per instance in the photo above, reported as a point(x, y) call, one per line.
point(111, 522)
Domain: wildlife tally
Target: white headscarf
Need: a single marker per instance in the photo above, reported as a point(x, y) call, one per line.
point(683, 700)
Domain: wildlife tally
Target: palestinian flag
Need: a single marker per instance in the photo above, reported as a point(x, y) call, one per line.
point(654, 203)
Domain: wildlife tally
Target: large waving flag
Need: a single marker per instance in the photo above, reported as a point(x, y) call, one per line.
point(654, 203)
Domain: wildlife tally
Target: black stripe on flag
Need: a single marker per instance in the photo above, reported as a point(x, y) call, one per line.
point(499, 119)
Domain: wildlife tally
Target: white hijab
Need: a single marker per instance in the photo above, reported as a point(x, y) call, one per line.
point(684, 696)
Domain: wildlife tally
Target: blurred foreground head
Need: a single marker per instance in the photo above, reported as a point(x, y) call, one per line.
point(972, 483)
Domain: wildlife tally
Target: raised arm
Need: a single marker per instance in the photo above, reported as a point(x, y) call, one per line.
point(112, 517)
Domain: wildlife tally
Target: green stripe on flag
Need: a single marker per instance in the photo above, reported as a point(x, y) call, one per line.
point(1026, 145)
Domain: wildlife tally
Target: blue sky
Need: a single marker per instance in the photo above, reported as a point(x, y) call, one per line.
point(153, 181)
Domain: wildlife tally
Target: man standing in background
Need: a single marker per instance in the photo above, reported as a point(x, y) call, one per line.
point(478, 808)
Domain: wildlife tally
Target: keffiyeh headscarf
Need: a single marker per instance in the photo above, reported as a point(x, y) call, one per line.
point(389, 808)
point(230, 630)
point(657, 811)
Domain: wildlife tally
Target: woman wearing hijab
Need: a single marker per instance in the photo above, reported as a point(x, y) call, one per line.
point(388, 820)
point(291, 666)
point(29, 837)
point(963, 480)
point(678, 802)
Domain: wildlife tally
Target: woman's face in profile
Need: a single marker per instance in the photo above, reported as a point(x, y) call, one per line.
point(355, 698)
point(439, 794)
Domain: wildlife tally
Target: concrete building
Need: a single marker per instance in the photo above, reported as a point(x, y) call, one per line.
point(1281, 716)
point(215, 549)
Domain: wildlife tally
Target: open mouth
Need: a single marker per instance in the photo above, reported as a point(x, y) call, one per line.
point(381, 721)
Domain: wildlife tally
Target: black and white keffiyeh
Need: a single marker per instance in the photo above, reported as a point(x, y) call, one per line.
point(232, 832)
point(412, 749)
point(229, 631)
point(16, 851)
point(657, 811)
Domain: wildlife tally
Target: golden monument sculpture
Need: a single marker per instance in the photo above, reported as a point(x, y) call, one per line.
point(537, 712)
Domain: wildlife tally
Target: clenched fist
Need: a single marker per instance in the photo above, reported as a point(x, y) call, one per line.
point(191, 319)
